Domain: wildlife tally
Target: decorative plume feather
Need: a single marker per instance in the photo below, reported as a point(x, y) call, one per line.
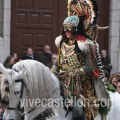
point(83, 8)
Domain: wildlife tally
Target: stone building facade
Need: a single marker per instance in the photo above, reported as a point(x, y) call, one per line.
point(5, 12)
point(114, 36)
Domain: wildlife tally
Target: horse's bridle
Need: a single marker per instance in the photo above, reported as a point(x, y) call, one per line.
point(16, 92)
point(6, 102)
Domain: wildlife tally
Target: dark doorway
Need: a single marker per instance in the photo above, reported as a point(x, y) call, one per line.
point(35, 23)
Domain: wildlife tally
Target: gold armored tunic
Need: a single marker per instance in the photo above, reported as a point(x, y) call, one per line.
point(73, 64)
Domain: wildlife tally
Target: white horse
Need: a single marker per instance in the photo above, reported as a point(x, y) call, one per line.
point(34, 80)
point(115, 108)
point(11, 112)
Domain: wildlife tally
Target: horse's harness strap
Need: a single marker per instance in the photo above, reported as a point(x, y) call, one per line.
point(21, 94)
point(11, 108)
point(22, 87)
point(31, 110)
point(39, 104)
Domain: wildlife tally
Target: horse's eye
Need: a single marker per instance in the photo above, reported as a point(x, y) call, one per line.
point(16, 92)
point(7, 89)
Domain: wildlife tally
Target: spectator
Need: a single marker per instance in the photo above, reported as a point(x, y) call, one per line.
point(9, 62)
point(54, 58)
point(29, 55)
point(45, 56)
point(15, 56)
point(106, 63)
point(114, 79)
point(118, 86)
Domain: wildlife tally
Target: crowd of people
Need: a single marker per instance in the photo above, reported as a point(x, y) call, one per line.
point(46, 57)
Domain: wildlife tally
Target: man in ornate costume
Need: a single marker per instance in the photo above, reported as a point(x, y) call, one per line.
point(79, 65)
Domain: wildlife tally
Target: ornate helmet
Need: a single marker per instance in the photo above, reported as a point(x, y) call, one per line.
point(71, 21)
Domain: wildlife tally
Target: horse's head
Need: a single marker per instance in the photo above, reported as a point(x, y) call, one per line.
point(11, 88)
point(41, 85)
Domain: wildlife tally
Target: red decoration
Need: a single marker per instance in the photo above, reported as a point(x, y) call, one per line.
point(96, 73)
point(80, 37)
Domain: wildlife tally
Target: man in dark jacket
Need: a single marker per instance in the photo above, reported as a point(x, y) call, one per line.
point(45, 56)
point(106, 62)
point(29, 55)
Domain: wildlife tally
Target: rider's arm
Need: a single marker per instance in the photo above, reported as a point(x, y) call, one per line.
point(88, 49)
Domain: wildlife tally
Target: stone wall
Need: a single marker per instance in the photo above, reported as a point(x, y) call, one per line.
point(1, 31)
point(1, 18)
point(115, 35)
point(5, 42)
point(114, 43)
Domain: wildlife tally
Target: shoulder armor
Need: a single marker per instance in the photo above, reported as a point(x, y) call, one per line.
point(85, 45)
point(58, 40)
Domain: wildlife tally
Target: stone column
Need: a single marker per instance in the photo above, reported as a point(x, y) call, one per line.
point(1, 32)
point(1, 18)
point(5, 43)
point(119, 57)
point(115, 35)
point(6, 26)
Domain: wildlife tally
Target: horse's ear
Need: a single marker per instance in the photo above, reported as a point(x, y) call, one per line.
point(20, 74)
point(3, 69)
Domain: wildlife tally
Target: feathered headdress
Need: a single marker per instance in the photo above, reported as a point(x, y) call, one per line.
point(83, 8)
point(87, 10)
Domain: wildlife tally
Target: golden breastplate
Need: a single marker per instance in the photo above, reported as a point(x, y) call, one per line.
point(68, 58)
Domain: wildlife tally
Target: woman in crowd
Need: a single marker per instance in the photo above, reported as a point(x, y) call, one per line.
point(15, 56)
point(114, 79)
point(9, 62)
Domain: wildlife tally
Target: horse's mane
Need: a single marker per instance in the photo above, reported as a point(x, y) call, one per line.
point(39, 80)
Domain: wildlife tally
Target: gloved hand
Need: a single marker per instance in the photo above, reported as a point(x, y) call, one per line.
point(76, 73)
point(80, 71)
point(62, 75)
